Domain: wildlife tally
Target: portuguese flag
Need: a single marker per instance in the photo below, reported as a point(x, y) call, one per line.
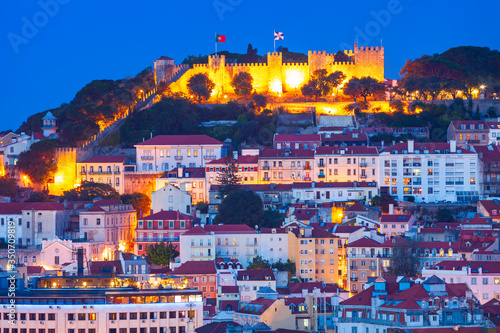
point(220, 38)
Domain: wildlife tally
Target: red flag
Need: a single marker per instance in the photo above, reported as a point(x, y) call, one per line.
point(220, 38)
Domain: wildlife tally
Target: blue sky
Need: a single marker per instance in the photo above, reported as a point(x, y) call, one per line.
point(76, 42)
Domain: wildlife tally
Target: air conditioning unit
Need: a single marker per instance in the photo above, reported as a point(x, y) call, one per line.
point(91, 321)
point(112, 322)
point(182, 319)
point(154, 321)
point(71, 321)
point(23, 322)
point(42, 322)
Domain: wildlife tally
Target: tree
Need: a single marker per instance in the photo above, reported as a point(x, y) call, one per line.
point(288, 266)
point(241, 207)
point(39, 197)
point(242, 84)
point(322, 84)
point(444, 215)
point(353, 88)
point(38, 163)
point(403, 258)
point(139, 201)
point(8, 186)
point(383, 202)
point(274, 219)
point(228, 176)
point(258, 102)
point(161, 253)
point(259, 263)
point(88, 191)
point(370, 87)
point(200, 86)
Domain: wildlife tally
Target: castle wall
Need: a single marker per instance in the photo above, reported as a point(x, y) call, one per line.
point(65, 177)
point(276, 77)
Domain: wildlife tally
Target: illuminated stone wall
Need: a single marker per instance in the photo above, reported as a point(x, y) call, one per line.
point(144, 183)
point(277, 77)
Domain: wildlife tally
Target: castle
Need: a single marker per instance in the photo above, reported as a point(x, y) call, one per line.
point(275, 76)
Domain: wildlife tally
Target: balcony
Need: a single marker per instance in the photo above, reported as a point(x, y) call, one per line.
point(363, 164)
point(265, 167)
point(417, 164)
point(354, 279)
point(266, 179)
point(178, 158)
point(307, 179)
point(363, 176)
point(354, 268)
point(147, 158)
point(307, 167)
point(473, 141)
point(373, 268)
point(210, 157)
point(321, 164)
point(83, 172)
point(321, 175)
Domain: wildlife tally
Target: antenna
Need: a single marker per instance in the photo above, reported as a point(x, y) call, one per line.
point(380, 42)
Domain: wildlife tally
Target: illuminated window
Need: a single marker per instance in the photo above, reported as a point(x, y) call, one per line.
point(450, 253)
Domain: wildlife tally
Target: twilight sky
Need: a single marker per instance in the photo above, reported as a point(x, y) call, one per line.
point(46, 58)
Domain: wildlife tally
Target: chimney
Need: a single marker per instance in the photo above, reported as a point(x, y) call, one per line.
point(180, 172)
point(453, 146)
point(391, 209)
point(235, 155)
point(79, 254)
point(411, 145)
point(151, 212)
point(382, 145)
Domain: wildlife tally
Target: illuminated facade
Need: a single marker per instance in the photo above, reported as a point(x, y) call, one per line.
point(278, 77)
point(107, 169)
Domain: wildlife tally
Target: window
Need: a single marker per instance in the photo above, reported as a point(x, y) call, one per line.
point(98, 222)
point(473, 281)
point(485, 280)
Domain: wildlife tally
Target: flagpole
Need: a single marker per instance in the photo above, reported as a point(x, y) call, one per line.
point(216, 44)
point(274, 38)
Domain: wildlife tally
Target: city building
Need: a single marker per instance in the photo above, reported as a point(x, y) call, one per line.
point(107, 169)
point(248, 166)
point(281, 166)
point(468, 132)
point(320, 192)
point(201, 275)
point(296, 141)
point(489, 169)
point(170, 197)
point(429, 172)
point(315, 253)
point(396, 225)
point(191, 180)
point(346, 164)
point(163, 226)
point(251, 281)
point(271, 312)
point(165, 152)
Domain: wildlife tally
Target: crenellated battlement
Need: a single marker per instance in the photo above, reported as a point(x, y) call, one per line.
point(343, 63)
point(258, 64)
point(200, 65)
point(323, 53)
point(370, 48)
point(274, 54)
point(70, 149)
point(291, 64)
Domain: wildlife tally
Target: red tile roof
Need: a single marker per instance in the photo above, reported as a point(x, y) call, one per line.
point(362, 298)
point(13, 208)
point(196, 267)
point(217, 327)
point(106, 159)
point(488, 153)
point(96, 267)
point(230, 228)
point(108, 202)
point(257, 307)
point(34, 270)
point(195, 231)
point(364, 242)
point(95, 209)
point(356, 207)
point(167, 215)
point(296, 288)
point(44, 206)
point(388, 218)
point(256, 275)
point(180, 140)
point(230, 289)
point(191, 173)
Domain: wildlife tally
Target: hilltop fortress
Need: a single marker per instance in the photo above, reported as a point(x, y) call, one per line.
point(273, 76)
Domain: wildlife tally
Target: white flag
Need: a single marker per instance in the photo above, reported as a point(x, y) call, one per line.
point(278, 36)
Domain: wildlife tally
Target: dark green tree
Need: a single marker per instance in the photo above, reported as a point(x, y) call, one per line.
point(39, 163)
point(274, 219)
point(242, 84)
point(371, 87)
point(8, 186)
point(88, 191)
point(161, 253)
point(228, 177)
point(241, 207)
point(444, 215)
point(39, 197)
point(341, 56)
point(258, 102)
point(321, 84)
point(258, 263)
point(403, 258)
point(200, 86)
point(288, 266)
point(139, 201)
point(353, 88)
point(383, 202)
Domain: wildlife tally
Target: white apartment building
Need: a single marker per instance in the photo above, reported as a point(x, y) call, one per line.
point(334, 191)
point(233, 242)
point(429, 172)
point(170, 197)
point(165, 152)
point(346, 164)
point(284, 166)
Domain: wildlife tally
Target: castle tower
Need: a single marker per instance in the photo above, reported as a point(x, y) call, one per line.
point(371, 60)
point(164, 68)
point(49, 126)
point(217, 65)
point(275, 66)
